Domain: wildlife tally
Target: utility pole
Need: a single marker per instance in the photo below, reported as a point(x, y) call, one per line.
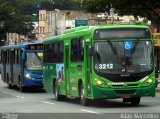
point(7, 38)
point(56, 28)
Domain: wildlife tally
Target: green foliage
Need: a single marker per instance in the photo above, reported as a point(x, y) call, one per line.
point(59, 4)
point(16, 16)
point(149, 9)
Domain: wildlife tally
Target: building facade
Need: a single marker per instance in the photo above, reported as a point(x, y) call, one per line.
point(53, 23)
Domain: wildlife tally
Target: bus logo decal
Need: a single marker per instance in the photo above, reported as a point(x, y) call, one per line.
point(128, 45)
point(60, 71)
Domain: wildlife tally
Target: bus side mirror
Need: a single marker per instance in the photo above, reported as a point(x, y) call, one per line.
point(90, 50)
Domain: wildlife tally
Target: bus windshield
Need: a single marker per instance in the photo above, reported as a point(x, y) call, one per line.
point(123, 57)
point(34, 61)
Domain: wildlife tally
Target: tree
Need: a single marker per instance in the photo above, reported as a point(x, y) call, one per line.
point(149, 9)
point(16, 16)
point(59, 4)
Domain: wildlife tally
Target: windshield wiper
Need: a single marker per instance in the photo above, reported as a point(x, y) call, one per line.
point(38, 56)
point(113, 48)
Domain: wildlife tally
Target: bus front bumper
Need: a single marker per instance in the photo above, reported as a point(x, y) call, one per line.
point(112, 93)
point(33, 82)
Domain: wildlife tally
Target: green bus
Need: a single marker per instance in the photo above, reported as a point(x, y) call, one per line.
point(100, 62)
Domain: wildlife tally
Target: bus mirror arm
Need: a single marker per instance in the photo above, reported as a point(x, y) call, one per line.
point(90, 50)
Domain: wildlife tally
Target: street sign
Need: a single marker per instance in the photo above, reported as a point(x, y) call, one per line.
point(80, 22)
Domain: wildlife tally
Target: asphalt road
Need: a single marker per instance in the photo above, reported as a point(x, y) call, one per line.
point(37, 104)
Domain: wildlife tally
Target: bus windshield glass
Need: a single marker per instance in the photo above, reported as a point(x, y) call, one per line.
point(34, 61)
point(123, 57)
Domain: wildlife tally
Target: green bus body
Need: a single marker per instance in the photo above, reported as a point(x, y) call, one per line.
point(74, 66)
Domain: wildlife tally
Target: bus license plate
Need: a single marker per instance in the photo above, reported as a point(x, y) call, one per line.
point(125, 96)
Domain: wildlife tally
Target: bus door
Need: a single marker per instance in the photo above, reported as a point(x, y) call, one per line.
point(21, 65)
point(88, 65)
point(4, 59)
point(66, 70)
point(11, 65)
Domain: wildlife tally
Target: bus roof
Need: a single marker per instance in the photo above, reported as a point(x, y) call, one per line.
point(85, 29)
point(103, 26)
point(122, 26)
point(19, 45)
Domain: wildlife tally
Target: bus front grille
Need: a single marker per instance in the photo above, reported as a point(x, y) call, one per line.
point(125, 92)
point(128, 85)
point(37, 73)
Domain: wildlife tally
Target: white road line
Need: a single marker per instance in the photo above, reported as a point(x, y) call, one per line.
point(4, 92)
point(48, 102)
point(19, 97)
point(89, 111)
point(16, 96)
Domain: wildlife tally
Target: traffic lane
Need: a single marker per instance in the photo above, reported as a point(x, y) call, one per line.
point(43, 102)
point(49, 105)
point(5, 95)
point(147, 105)
point(33, 101)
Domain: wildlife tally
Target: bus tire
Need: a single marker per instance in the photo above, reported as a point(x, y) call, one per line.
point(135, 100)
point(84, 101)
point(10, 86)
point(8, 82)
point(21, 87)
point(58, 97)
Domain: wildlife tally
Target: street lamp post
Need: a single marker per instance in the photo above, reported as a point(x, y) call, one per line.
point(56, 28)
point(1, 28)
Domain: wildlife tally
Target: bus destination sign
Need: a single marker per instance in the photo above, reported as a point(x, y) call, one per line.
point(34, 47)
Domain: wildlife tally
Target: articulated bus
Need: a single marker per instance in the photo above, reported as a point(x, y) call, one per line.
point(100, 62)
point(21, 65)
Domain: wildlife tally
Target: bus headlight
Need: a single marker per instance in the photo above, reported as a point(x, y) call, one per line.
point(100, 83)
point(28, 76)
point(148, 82)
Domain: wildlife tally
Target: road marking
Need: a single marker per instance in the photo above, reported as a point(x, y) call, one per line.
point(48, 102)
point(4, 92)
point(88, 111)
point(19, 97)
point(16, 96)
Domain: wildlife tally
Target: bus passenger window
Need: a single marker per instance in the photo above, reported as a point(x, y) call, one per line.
point(77, 49)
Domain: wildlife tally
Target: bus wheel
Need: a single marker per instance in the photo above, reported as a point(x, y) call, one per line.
point(10, 86)
point(83, 100)
point(56, 92)
point(21, 88)
point(135, 100)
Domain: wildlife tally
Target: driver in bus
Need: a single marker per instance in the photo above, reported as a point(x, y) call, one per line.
point(128, 64)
